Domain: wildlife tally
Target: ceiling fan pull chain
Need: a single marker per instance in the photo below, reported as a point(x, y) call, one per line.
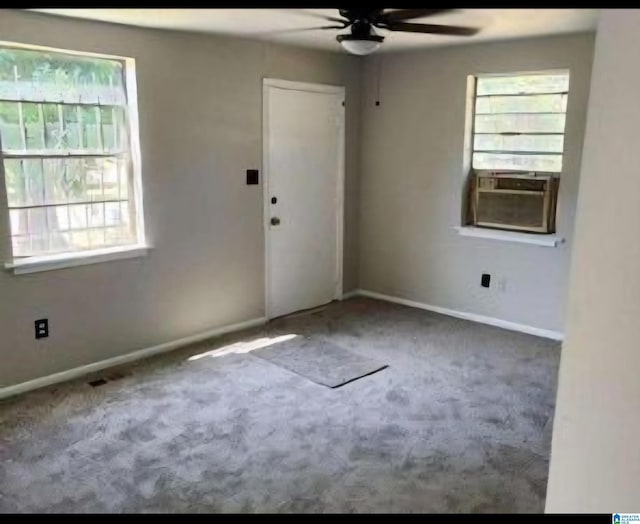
point(378, 70)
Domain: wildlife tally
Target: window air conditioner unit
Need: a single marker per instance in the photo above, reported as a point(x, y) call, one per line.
point(514, 201)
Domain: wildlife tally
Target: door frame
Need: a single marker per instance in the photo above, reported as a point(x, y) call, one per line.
point(267, 84)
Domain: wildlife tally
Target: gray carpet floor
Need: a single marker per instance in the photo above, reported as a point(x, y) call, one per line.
point(460, 421)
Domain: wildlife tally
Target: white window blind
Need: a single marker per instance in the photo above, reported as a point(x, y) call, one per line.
point(66, 152)
point(519, 121)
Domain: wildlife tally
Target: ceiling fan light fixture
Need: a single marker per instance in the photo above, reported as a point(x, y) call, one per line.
point(360, 44)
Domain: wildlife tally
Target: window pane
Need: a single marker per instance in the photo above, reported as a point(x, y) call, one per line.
point(541, 143)
point(37, 220)
point(91, 128)
point(522, 123)
point(10, 132)
point(80, 179)
point(93, 169)
point(96, 215)
point(107, 128)
point(124, 213)
point(71, 136)
point(59, 242)
point(33, 181)
point(39, 243)
point(117, 235)
point(532, 83)
point(55, 191)
point(522, 104)
point(520, 113)
point(112, 215)
point(58, 218)
point(15, 182)
point(96, 237)
point(118, 127)
point(63, 127)
point(490, 161)
point(20, 246)
point(111, 179)
point(123, 163)
point(34, 126)
point(78, 216)
point(79, 240)
point(19, 222)
point(54, 131)
point(74, 180)
point(113, 128)
point(56, 77)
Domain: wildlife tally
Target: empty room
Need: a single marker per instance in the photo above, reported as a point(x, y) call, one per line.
point(447, 323)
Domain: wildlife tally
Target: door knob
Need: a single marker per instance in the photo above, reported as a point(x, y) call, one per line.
point(275, 221)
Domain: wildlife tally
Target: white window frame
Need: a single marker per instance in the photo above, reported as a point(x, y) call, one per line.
point(474, 97)
point(68, 259)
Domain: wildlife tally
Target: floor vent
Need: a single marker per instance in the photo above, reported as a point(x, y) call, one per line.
point(111, 377)
point(107, 378)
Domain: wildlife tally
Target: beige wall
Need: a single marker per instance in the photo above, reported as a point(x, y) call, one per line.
point(595, 455)
point(200, 124)
point(412, 175)
point(200, 121)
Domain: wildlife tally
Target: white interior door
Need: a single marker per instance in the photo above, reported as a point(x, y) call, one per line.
point(304, 179)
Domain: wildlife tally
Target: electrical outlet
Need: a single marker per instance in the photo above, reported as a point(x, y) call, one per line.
point(485, 281)
point(252, 177)
point(42, 328)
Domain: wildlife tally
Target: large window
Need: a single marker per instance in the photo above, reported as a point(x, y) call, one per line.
point(519, 121)
point(68, 135)
point(517, 145)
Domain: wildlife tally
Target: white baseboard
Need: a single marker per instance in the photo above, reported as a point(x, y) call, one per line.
point(64, 376)
point(70, 374)
point(513, 326)
point(350, 294)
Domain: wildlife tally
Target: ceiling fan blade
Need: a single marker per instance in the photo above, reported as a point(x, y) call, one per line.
point(432, 29)
point(312, 28)
point(300, 29)
point(407, 14)
point(320, 16)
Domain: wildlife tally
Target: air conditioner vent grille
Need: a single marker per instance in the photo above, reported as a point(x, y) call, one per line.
point(518, 203)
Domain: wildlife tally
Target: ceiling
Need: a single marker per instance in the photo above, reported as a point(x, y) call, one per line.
point(283, 25)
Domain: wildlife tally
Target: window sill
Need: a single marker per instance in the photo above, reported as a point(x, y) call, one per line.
point(510, 236)
point(64, 260)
